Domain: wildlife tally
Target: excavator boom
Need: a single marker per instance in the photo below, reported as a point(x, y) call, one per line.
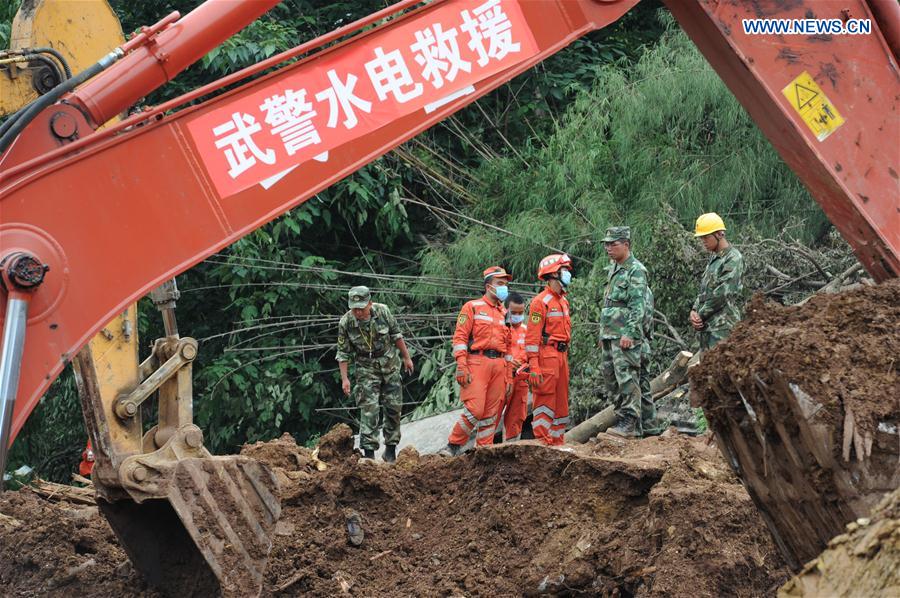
point(175, 203)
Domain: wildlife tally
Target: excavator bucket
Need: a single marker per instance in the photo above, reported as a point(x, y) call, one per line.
point(212, 533)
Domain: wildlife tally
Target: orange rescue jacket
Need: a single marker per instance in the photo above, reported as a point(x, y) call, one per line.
point(548, 322)
point(479, 327)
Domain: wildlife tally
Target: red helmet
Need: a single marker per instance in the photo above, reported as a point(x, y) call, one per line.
point(553, 263)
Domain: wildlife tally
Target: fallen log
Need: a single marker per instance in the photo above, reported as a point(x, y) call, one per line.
point(54, 491)
point(672, 376)
point(589, 428)
point(660, 386)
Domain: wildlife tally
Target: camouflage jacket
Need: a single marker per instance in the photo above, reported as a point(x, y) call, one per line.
point(372, 343)
point(623, 309)
point(720, 290)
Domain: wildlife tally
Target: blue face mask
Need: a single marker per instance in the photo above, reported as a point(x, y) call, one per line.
point(565, 277)
point(516, 318)
point(501, 292)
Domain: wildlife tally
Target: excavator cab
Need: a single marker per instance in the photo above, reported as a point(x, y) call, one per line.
point(192, 524)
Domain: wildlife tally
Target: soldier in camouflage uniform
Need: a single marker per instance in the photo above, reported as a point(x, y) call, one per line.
point(717, 307)
point(369, 336)
point(622, 324)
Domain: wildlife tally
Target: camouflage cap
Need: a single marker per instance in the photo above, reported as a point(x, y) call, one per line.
point(358, 297)
point(616, 233)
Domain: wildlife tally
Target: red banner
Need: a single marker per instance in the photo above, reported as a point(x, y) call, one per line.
point(419, 65)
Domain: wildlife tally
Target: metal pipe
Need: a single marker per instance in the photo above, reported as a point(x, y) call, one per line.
point(48, 62)
point(162, 56)
point(10, 366)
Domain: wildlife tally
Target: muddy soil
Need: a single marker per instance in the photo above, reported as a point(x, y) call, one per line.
point(806, 402)
point(660, 516)
point(840, 349)
point(861, 562)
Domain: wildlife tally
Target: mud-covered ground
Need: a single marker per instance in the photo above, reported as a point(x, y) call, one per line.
point(863, 561)
point(660, 516)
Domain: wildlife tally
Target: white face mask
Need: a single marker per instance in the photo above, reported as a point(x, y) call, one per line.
point(516, 318)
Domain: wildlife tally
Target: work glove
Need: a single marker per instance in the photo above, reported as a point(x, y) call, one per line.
point(463, 376)
point(535, 376)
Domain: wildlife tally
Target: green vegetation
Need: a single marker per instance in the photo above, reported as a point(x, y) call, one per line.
point(627, 126)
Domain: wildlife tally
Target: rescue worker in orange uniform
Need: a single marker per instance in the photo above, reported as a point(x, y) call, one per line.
point(546, 345)
point(483, 364)
point(515, 407)
point(87, 461)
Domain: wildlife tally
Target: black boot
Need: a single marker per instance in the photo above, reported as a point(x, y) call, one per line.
point(368, 453)
point(390, 453)
point(626, 427)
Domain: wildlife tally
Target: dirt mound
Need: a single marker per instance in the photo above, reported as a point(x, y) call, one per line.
point(337, 444)
point(55, 549)
point(660, 516)
point(861, 562)
point(805, 401)
point(654, 517)
point(840, 349)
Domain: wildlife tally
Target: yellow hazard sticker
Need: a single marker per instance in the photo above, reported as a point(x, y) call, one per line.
point(813, 106)
point(535, 317)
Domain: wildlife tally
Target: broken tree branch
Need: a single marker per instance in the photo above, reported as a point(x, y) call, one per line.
point(661, 318)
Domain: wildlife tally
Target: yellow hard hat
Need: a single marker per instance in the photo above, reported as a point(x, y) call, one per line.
point(708, 224)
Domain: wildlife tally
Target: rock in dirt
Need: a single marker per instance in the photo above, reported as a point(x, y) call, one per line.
point(337, 444)
point(355, 532)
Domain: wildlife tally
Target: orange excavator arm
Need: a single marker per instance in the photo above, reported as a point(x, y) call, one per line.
point(91, 221)
point(115, 213)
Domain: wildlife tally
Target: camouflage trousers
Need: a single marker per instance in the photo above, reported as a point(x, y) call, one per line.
point(709, 338)
point(621, 369)
point(378, 396)
point(649, 421)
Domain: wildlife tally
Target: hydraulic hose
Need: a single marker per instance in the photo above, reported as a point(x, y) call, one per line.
point(49, 63)
point(50, 98)
point(59, 58)
point(11, 119)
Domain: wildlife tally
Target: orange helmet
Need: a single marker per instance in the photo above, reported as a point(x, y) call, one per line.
point(496, 272)
point(553, 263)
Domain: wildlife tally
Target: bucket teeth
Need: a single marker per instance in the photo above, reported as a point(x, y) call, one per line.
point(211, 534)
point(229, 506)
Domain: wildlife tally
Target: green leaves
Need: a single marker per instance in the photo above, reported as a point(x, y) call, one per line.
point(8, 11)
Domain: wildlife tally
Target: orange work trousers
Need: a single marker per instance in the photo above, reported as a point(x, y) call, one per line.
point(550, 398)
point(482, 399)
point(514, 410)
